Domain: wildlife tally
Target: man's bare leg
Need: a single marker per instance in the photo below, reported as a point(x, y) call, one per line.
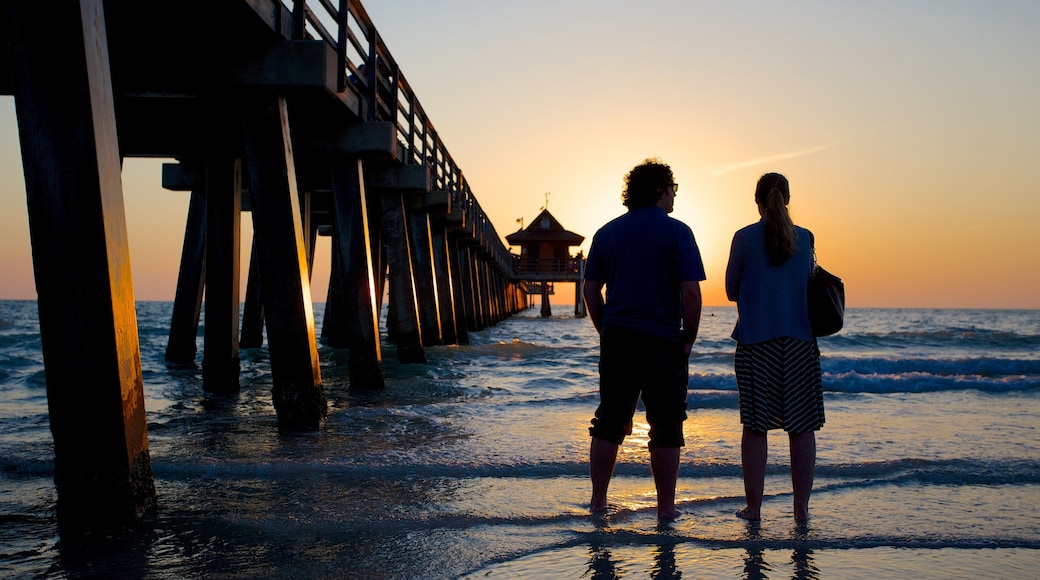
point(753, 453)
point(664, 464)
point(803, 470)
point(602, 457)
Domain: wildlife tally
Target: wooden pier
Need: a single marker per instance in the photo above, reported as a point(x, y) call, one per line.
point(294, 112)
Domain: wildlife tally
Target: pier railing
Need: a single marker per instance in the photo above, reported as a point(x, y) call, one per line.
point(373, 85)
point(546, 265)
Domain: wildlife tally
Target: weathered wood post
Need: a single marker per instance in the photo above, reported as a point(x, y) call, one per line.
point(477, 287)
point(299, 398)
point(334, 323)
point(454, 219)
point(253, 309)
point(403, 313)
point(442, 269)
point(220, 363)
point(353, 240)
point(88, 324)
point(191, 281)
point(421, 247)
point(486, 305)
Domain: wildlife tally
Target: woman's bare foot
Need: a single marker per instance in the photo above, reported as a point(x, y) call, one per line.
point(668, 514)
point(801, 514)
point(750, 515)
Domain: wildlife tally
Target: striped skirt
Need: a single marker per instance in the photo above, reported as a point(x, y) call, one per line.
point(779, 385)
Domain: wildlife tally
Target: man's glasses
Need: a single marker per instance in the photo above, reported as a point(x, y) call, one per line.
point(674, 186)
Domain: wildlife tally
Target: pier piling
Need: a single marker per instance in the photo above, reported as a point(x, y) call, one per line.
point(191, 283)
point(88, 323)
point(353, 240)
point(299, 398)
point(220, 364)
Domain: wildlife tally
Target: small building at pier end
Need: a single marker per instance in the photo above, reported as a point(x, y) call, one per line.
point(545, 258)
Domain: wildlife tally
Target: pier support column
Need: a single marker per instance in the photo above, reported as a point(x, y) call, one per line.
point(191, 280)
point(420, 244)
point(220, 364)
point(458, 289)
point(484, 284)
point(253, 309)
point(88, 323)
point(476, 289)
point(403, 311)
point(353, 240)
point(299, 398)
point(442, 270)
point(334, 324)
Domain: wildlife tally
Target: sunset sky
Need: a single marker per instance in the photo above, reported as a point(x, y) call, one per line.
point(909, 130)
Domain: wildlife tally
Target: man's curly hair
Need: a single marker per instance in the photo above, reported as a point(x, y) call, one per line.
point(644, 185)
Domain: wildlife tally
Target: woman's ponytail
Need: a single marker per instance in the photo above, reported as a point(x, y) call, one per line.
point(772, 195)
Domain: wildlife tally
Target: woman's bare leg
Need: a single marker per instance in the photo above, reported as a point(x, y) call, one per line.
point(803, 470)
point(753, 453)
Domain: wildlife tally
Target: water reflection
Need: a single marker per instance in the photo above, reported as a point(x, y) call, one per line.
point(664, 564)
point(755, 565)
point(601, 564)
point(757, 568)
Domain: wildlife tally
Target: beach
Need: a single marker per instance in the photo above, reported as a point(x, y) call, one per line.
point(474, 465)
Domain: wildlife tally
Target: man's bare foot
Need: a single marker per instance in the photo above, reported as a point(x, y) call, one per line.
point(598, 505)
point(750, 515)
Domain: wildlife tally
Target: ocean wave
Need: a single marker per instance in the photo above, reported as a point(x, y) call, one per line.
point(921, 382)
point(963, 338)
point(953, 472)
point(980, 366)
point(881, 375)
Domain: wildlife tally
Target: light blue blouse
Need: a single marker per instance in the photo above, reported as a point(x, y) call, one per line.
point(771, 300)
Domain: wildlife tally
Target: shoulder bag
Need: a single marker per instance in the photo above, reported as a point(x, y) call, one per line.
point(826, 301)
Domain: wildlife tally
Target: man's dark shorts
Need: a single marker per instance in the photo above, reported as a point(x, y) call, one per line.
point(634, 364)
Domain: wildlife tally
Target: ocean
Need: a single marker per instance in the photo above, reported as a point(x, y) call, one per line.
point(474, 465)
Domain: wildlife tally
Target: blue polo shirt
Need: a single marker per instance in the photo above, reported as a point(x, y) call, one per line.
point(642, 257)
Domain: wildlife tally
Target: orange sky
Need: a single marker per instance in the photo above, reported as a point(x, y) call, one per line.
point(910, 133)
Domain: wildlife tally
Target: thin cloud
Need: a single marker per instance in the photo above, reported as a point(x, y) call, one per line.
point(774, 158)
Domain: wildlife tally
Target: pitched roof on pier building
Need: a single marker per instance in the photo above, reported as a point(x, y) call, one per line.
point(545, 228)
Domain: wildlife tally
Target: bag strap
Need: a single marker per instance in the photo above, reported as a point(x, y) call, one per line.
point(815, 264)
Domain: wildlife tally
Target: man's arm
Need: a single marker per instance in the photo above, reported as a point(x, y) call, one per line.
point(691, 312)
point(592, 291)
